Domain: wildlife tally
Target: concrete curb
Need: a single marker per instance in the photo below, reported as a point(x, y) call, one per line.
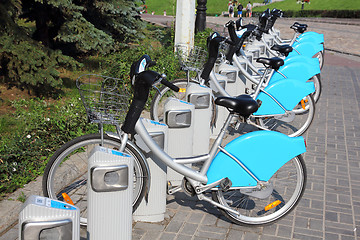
point(11, 206)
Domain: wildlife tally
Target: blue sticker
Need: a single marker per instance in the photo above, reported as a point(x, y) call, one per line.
point(117, 153)
point(184, 102)
point(157, 123)
point(61, 205)
point(113, 152)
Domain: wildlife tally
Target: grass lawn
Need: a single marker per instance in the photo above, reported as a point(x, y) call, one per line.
point(214, 7)
point(314, 5)
point(218, 6)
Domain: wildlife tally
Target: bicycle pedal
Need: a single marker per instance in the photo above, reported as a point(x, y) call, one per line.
point(225, 184)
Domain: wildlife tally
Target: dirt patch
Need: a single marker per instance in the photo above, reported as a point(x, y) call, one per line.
point(7, 95)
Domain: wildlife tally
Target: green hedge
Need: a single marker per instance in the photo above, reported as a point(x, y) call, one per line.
point(322, 13)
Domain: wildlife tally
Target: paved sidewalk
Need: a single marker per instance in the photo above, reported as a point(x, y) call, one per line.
point(341, 35)
point(330, 207)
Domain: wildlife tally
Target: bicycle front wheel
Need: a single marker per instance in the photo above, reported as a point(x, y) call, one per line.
point(66, 171)
point(288, 187)
point(160, 97)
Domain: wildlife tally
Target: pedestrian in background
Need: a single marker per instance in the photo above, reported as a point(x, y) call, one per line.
point(248, 9)
point(240, 8)
point(231, 10)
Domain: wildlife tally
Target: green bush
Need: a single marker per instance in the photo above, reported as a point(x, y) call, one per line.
point(38, 127)
point(323, 13)
point(44, 127)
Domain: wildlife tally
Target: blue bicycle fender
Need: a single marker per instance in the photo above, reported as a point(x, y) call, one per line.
point(299, 70)
point(288, 92)
point(309, 40)
point(306, 49)
point(299, 58)
point(262, 152)
point(314, 36)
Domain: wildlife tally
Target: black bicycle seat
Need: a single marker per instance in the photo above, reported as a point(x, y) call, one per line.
point(274, 63)
point(284, 49)
point(244, 105)
point(301, 28)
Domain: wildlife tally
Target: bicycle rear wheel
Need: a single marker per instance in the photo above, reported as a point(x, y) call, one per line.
point(320, 57)
point(288, 187)
point(294, 125)
point(66, 171)
point(318, 87)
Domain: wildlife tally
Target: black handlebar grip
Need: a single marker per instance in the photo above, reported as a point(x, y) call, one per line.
point(207, 69)
point(170, 85)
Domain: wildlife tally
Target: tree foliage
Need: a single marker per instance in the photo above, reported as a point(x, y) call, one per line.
point(30, 57)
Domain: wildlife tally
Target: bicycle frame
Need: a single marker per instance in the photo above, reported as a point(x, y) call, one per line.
point(277, 99)
point(240, 164)
point(290, 69)
point(313, 37)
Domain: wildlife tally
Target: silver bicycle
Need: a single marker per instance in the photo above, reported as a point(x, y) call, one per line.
point(249, 187)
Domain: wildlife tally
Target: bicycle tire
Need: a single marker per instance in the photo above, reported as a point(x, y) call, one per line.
point(64, 174)
point(300, 124)
point(252, 211)
point(318, 86)
point(320, 56)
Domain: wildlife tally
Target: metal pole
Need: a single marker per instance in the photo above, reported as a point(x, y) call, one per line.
point(200, 22)
point(185, 22)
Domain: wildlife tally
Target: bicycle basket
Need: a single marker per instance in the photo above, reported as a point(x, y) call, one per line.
point(191, 58)
point(106, 99)
point(223, 49)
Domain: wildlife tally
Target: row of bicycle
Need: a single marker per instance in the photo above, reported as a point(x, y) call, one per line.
point(255, 179)
point(286, 106)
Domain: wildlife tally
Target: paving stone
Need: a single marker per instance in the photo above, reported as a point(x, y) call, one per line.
point(209, 220)
point(211, 235)
point(235, 235)
point(284, 231)
point(305, 237)
point(151, 235)
point(267, 237)
point(149, 226)
point(331, 236)
point(251, 236)
point(168, 236)
point(189, 229)
point(174, 226)
point(270, 229)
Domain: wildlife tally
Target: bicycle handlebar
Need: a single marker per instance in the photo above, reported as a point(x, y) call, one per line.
point(236, 41)
point(170, 85)
point(143, 80)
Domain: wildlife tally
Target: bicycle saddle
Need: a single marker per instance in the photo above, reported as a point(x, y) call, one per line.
point(244, 105)
point(298, 27)
point(274, 63)
point(284, 49)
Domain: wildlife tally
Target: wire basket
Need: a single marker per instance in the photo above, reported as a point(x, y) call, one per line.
point(106, 99)
point(191, 58)
point(223, 50)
